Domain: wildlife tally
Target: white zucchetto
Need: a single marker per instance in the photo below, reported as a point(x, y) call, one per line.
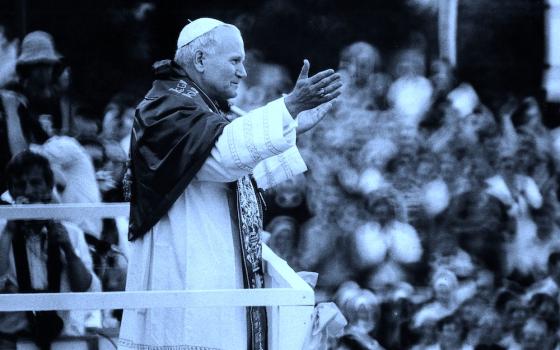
point(195, 29)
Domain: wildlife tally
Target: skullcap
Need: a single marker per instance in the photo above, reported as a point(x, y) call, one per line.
point(195, 29)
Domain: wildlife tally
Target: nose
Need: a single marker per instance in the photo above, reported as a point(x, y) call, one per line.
point(241, 72)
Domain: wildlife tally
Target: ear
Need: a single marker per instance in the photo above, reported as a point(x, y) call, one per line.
point(199, 58)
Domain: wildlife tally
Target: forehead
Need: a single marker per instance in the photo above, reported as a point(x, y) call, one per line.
point(229, 42)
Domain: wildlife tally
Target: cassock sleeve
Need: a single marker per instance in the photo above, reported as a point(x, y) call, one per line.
point(262, 142)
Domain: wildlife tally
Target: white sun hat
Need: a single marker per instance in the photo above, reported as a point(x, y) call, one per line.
point(197, 28)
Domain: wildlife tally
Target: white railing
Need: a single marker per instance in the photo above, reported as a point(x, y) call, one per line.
point(289, 300)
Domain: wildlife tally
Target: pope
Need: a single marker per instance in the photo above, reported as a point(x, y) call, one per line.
point(196, 211)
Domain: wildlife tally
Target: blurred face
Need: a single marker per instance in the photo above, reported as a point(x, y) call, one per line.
point(516, 314)
point(534, 335)
point(282, 240)
point(470, 313)
point(358, 68)
point(288, 198)
point(449, 336)
point(364, 319)
point(38, 83)
point(347, 220)
point(410, 63)
point(223, 70)
point(41, 74)
point(382, 211)
point(426, 169)
point(443, 293)
point(469, 128)
point(117, 125)
point(31, 187)
point(547, 309)
point(507, 164)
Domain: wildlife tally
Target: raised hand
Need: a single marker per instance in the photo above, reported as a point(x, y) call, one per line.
point(309, 118)
point(310, 92)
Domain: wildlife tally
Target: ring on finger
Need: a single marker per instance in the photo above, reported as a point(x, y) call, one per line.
point(322, 91)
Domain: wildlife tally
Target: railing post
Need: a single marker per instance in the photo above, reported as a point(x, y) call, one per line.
point(447, 30)
point(551, 79)
point(294, 323)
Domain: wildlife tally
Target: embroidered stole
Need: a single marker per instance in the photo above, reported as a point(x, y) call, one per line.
point(250, 220)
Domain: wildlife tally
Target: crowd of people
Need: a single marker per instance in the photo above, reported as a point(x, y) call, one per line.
point(432, 221)
point(52, 152)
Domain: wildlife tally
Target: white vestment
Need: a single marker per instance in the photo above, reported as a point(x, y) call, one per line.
point(195, 245)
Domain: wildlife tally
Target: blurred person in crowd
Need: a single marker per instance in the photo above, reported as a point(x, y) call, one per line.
point(351, 216)
point(114, 230)
point(41, 255)
point(400, 169)
point(345, 292)
point(386, 245)
point(478, 222)
point(536, 334)
point(118, 118)
point(485, 284)
point(550, 284)
point(410, 98)
point(487, 329)
point(447, 253)
point(456, 121)
point(376, 152)
point(96, 151)
point(528, 119)
point(113, 171)
point(444, 302)
point(450, 334)
point(364, 85)
point(84, 126)
point(20, 125)
point(74, 176)
point(323, 249)
point(536, 161)
point(519, 194)
point(450, 171)
point(442, 76)
point(38, 69)
point(514, 313)
point(477, 169)
point(396, 314)
point(433, 193)
point(183, 154)
point(283, 238)
point(546, 307)
point(8, 57)
point(288, 199)
point(470, 312)
point(71, 107)
point(409, 62)
point(362, 312)
point(17, 129)
point(425, 331)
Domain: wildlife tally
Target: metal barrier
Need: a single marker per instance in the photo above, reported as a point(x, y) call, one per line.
point(289, 299)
